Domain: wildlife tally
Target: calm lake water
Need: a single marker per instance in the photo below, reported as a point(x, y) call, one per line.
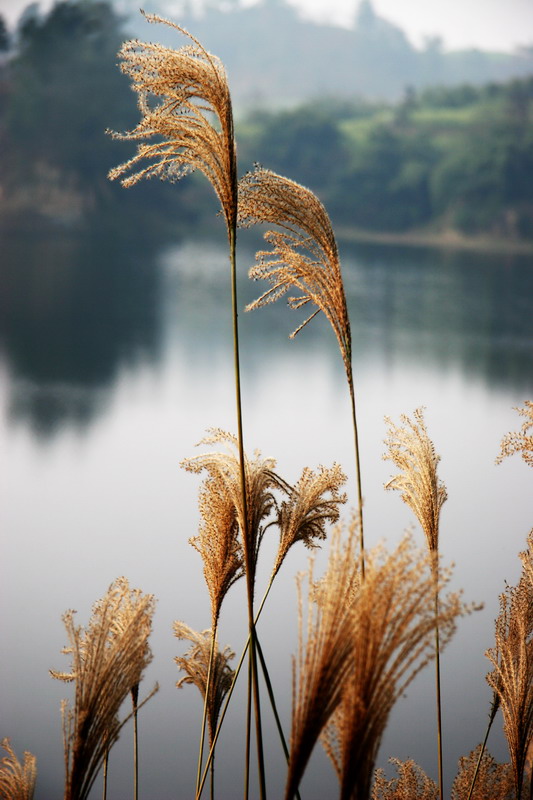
point(113, 364)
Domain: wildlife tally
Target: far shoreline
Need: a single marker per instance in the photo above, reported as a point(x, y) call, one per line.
point(447, 239)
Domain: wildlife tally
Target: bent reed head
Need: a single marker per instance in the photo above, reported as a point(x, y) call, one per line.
point(185, 105)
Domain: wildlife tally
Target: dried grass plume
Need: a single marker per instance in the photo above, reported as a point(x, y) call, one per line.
point(185, 105)
point(17, 781)
point(195, 664)
point(304, 255)
point(413, 453)
point(521, 442)
point(108, 660)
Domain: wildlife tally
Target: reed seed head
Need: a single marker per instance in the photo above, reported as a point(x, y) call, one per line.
point(17, 781)
point(304, 253)
point(308, 509)
point(512, 660)
point(325, 653)
point(223, 471)
point(185, 105)
point(413, 453)
point(412, 783)
point(494, 780)
point(393, 627)
point(195, 664)
point(108, 660)
point(520, 442)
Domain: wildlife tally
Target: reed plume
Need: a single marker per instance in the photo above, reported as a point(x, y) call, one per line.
point(223, 470)
point(393, 624)
point(412, 783)
point(304, 256)
point(304, 515)
point(520, 442)
point(218, 541)
point(195, 664)
point(185, 104)
point(512, 659)
point(17, 781)
point(413, 453)
point(494, 781)
point(108, 659)
point(324, 654)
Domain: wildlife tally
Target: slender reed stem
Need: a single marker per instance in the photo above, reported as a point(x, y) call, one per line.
point(358, 470)
point(206, 701)
point(273, 704)
point(248, 732)
point(106, 761)
point(134, 699)
point(230, 692)
point(493, 710)
point(248, 557)
point(437, 686)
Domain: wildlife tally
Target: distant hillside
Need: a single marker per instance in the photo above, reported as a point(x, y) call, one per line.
point(276, 59)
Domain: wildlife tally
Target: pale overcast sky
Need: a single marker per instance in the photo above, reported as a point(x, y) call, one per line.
point(488, 24)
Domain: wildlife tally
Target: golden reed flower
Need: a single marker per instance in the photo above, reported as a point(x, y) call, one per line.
point(195, 664)
point(512, 659)
point(185, 103)
point(108, 660)
point(17, 781)
point(393, 623)
point(303, 257)
point(412, 783)
point(520, 442)
point(494, 780)
point(412, 452)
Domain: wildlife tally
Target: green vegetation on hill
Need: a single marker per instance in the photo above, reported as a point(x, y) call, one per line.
point(442, 158)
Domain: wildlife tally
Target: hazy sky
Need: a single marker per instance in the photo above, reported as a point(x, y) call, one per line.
point(488, 24)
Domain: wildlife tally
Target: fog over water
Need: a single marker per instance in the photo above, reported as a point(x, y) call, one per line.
point(112, 366)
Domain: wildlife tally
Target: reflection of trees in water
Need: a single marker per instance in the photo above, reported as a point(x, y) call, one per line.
point(453, 309)
point(73, 312)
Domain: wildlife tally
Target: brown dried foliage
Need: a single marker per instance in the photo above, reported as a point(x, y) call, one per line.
point(521, 442)
point(412, 783)
point(494, 780)
point(512, 659)
point(17, 781)
point(185, 103)
point(108, 660)
point(304, 255)
point(195, 663)
point(412, 452)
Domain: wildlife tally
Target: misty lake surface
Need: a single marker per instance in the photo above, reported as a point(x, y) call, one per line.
point(114, 362)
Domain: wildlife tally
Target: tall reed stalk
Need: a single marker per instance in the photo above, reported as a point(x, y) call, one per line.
point(191, 91)
point(304, 257)
point(413, 453)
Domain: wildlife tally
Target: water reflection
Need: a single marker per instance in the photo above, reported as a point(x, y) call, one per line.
point(84, 323)
point(73, 312)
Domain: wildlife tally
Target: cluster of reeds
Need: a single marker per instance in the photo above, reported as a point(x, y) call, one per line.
point(377, 616)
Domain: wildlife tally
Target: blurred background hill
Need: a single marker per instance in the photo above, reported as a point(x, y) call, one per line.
point(393, 137)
